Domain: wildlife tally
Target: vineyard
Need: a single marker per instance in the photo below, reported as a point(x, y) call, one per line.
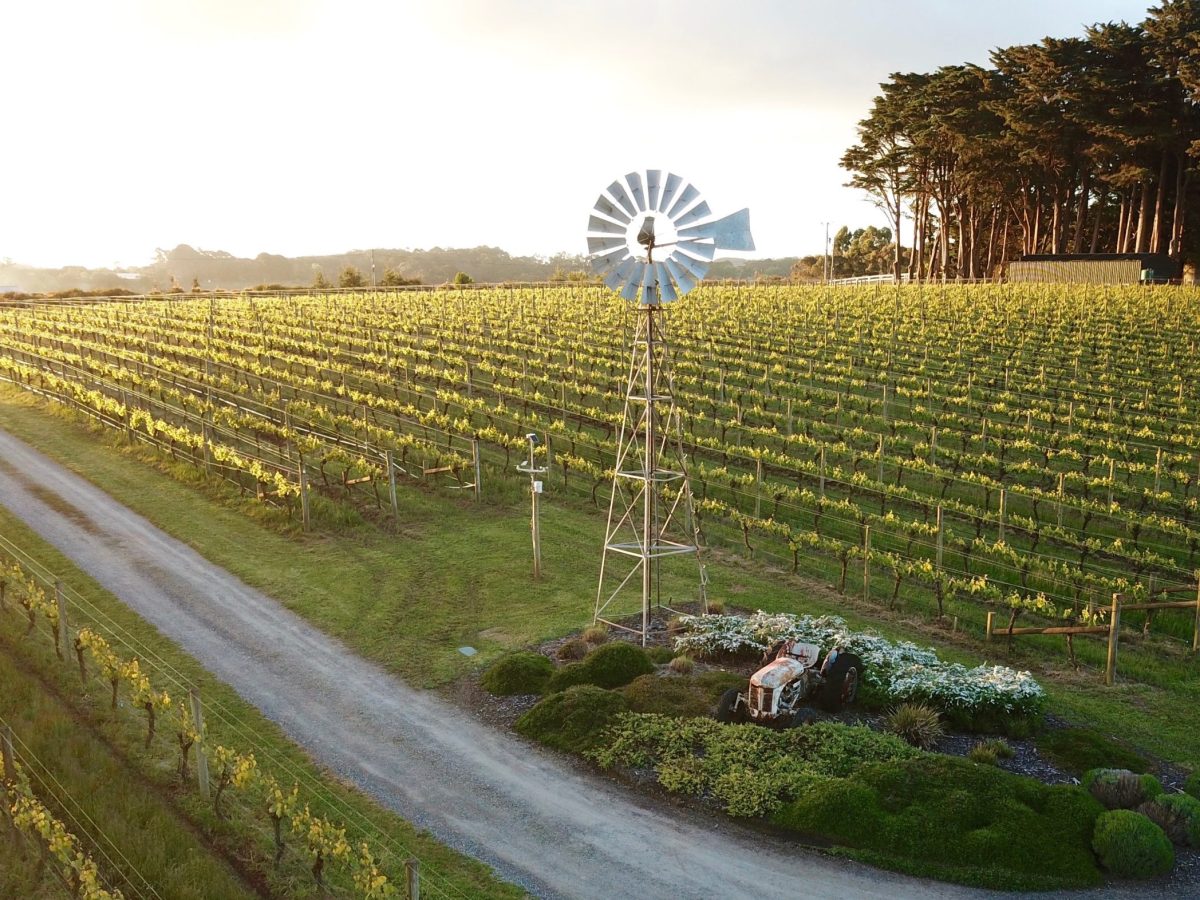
point(1030, 450)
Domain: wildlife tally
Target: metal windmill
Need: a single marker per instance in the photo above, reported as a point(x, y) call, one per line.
point(650, 514)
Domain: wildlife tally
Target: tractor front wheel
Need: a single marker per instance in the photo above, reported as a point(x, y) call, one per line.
point(727, 708)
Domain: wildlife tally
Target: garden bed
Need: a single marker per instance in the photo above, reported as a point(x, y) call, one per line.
point(650, 726)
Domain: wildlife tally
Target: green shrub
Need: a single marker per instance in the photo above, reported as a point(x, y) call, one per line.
point(682, 665)
point(947, 818)
point(991, 721)
point(716, 608)
point(717, 682)
point(608, 666)
point(595, 634)
point(1192, 785)
point(522, 672)
point(660, 655)
point(1176, 814)
point(752, 770)
point(680, 697)
point(1120, 788)
point(916, 723)
point(1077, 750)
point(984, 754)
point(573, 649)
point(1131, 846)
point(573, 719)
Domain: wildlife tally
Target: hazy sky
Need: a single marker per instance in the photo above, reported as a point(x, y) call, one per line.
point(306, 126)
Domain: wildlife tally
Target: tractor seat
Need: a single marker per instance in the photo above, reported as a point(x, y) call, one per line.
point(805, 654)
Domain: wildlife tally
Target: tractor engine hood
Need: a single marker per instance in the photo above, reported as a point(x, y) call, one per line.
point(778, 673)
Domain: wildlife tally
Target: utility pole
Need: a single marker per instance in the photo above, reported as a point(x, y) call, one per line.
point(535, 490)
point(826, 269)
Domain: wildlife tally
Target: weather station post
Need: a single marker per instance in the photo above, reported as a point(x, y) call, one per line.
point(530, 468)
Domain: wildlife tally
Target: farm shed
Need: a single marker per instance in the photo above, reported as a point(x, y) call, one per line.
point(1094, 268)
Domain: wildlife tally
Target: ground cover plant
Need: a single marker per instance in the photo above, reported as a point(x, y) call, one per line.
point(952, 819)
point(1078, 750)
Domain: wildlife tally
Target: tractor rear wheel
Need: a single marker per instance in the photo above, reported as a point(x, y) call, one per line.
point(727, 709)
point(841, 683)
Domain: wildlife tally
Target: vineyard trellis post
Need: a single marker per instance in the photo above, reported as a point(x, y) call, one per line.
point(197, 710)
point(7, 755)
point(390, 462)
point(412, 878)
point(62, 640)
point(1114, 628)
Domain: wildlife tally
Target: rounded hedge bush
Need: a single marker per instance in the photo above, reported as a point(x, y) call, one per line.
point(1176, 814)
point(681, 697)
point(576, 648)
point(1192, 785)
point(610, 665)
point(1131, 846)
point(522, 672)
point(1120, 788)
point(574, 719)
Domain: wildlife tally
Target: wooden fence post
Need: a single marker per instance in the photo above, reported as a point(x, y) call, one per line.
point(478, 469)
point(939, 538)
point(63, 642)
point(879, 452)
point(305, 514)
point(412, 875)
point(991, 621)
point(390, 460)
point(201, 756)
point(867, 563)
point(822, 477)
point(1062, 476)
point(1114, 627)
point(1003, 503)
point(789, 417)
point(1196, 626)
point(758, 477)
point(6, 753)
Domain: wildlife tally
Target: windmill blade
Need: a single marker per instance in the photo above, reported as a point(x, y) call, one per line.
point(595, 223)
point(686, 199)
point(602, 244)
point(666, 290)
point(634, 282)
point(729, 233)
point(653, 183)
point(619, 194)
point(700, 212)
point(696, 267)
point(669, 189)
point(606, 261)
point(682, 278)
point(635, 187)
point(650, 296)
point(695, 248)
point(617, 277)
point(606, 206)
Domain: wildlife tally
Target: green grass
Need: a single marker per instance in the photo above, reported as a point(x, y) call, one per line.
point(457, 573)
point(111, 796)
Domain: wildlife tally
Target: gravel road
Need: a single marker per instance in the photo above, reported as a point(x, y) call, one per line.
point(535, 819)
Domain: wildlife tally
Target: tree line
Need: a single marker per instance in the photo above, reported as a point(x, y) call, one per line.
point(1070, 145)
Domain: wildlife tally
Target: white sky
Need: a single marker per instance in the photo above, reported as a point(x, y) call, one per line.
point(317, 126)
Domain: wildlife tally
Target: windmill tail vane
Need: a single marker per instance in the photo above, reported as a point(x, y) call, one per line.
point(629, 214)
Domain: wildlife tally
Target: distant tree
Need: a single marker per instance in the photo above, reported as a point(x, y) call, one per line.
point(320, 282)
point(392, 278)
point(175, 288)
point(463, 278)
point(351, 278)
point(195, 285)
